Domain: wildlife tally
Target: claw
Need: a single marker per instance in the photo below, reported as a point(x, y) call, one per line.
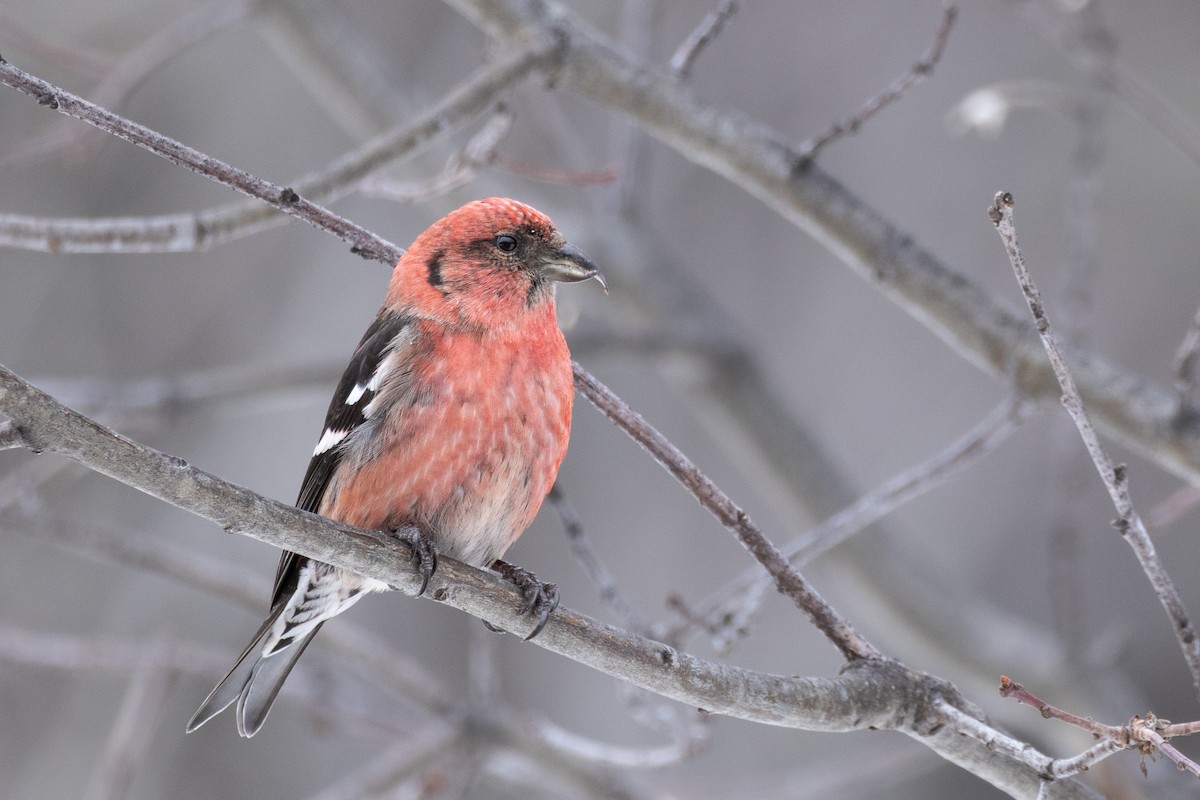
point(424, 553)
point(540, 598)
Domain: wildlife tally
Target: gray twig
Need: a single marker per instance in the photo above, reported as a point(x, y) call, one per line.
point(915, 75)
point(788, 581)
point(709, 28)
point(1129, 522)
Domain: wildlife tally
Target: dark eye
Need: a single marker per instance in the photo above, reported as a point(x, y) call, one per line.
point(506, 243)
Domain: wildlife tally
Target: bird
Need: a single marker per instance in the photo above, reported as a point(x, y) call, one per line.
point(447, 429)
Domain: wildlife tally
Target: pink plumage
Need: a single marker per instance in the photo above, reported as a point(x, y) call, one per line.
point(452, 417)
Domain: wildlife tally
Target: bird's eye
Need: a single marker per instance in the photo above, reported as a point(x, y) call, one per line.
point(506, 243)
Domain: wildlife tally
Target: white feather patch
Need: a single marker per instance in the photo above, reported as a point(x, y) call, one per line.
point(355, 394)
point(330, 438)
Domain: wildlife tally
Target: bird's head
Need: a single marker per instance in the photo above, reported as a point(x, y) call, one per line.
point(490, 261)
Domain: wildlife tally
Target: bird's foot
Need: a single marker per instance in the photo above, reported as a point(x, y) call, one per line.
point(424, 552)
point(540, 598)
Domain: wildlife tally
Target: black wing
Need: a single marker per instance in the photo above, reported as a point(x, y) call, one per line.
point(347, 411)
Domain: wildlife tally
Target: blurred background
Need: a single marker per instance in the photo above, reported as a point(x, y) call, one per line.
point(116, 615)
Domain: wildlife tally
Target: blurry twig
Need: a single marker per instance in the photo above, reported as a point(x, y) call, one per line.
point(118, 83)
point(1068, 582)
point(593, 566)
point(341, 67)
point(709, 28)
point(135, 724)
point(72, 56)
point(1168, 511)
point(460, 169)
point(726, 613)
point(809, 149)
point(92, 653)
point(615, 755)
point(1117, 78)
point(1130, 524)
point(1184, 365)
point(385, 775)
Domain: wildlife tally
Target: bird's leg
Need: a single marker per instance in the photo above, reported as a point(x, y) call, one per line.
point(424, 552)
point(540, 598)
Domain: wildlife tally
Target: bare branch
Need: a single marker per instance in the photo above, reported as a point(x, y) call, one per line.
point(133, 729)
point(118, 84)
point(1114, 477)
point(54, 428)
point(709, 28)
point(726, 613)
point(983, 330)
point(597, 571)
point(199, 231)
point(1141, 733)
point(789, 582)
point(1122, 81)
point(915, 75)
point(1066, 767)
point(1184, 365)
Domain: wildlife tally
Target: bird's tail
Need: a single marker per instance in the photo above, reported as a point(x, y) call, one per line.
point(255, 679)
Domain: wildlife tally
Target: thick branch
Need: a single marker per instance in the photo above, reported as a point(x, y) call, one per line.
point(877, 694)
point(818, 702)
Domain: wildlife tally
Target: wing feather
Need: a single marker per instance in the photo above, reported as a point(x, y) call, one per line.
point(347, 412)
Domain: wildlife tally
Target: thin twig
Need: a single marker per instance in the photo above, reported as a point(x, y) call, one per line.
point(282, 198)
point(1141, 733)
point(919, 71)
point(199, 231)
point(789, 582)
point(1173, 125)
point(73, 56)
point(384, 775)
point(1130, 524)
point(726, 613)
point(1184, 364)
point(1012, 689)
point(92, 653)
point(460, 168)
point(118, 84)
point(709, 28)
point(595, 568)
point(1168, 511)
point(133, 729)
point(612, 755)
point(855, 699)
point(1066, 767)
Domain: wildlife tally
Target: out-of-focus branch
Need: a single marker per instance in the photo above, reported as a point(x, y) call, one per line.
point(118, 84)
point(709, 28)
point(726, 613)
point(149, 690)
point(1139, 413)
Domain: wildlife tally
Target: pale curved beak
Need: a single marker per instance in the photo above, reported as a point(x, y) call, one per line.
point(569, 264)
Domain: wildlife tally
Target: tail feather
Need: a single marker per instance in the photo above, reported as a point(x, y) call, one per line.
point(254, 681)
point(266, 679)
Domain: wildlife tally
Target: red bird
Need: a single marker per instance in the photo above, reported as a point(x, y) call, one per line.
point(451, 419)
